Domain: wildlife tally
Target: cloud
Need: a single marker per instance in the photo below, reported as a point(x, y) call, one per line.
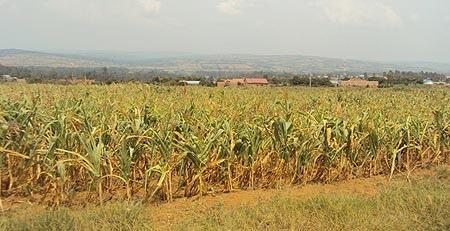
point(4, 3)
point(414, 17)
point(105, 11)
point(152, 6)
point(447, 18)
point(361, 12)
point(232, 7)
point(107, 7)
point(236, 7)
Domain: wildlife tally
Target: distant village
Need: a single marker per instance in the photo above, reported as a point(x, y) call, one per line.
point(336, 81)
point(341, 81)
point(11, 79)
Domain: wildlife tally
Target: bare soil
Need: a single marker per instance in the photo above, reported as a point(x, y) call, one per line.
point(165, 214)
point(180, 209)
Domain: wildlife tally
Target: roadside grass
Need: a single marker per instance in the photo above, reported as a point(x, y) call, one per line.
point(421, 204)
point(113, 216)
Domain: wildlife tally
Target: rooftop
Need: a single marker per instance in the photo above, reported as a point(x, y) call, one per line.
point(256, 81)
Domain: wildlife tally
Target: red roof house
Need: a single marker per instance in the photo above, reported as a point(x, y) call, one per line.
point(256, 81)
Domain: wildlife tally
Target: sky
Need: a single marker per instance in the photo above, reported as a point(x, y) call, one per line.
point(379, 30)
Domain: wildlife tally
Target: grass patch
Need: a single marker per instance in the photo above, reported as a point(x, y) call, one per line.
point(113, 216)
point(422, 204)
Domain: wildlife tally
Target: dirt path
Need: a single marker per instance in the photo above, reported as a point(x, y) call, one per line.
point(180, 209)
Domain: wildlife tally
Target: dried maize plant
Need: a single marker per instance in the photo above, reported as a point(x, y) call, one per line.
point(130, 141)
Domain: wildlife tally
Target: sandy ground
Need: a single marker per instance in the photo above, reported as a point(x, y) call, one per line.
point(179, 209)
point(168, 213)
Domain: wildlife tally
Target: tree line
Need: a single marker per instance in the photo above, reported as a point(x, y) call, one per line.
point(108, 75)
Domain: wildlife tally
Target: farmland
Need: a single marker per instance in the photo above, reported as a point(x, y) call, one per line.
point(153, 143)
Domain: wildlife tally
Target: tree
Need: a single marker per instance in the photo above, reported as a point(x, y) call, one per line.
point(390, 74)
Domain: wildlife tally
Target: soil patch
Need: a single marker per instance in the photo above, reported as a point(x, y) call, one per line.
point(180, 209)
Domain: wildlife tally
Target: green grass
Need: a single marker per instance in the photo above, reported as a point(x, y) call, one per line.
point(422, 204)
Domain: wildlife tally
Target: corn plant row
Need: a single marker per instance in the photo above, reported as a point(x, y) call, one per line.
point(150, 142)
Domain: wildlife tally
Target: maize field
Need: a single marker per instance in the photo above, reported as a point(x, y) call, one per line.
point(157, 143)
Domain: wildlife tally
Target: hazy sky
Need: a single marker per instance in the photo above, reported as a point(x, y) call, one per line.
point(391, 30)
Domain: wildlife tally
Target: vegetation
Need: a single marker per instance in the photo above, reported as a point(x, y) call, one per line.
point(151, 142)
point(113, 216)
point(406, 78)
point(108, 75)
point(422, 204)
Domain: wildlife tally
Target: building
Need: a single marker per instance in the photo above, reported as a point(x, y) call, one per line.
point(189, 82)
point(230, 83)
point(441, 83)
point(256, 82)
point(81, 81)
point(334, 82)
point(357, 82)
point(428, 82)
point(243, 82)
point(21, 81)
point(8, 78)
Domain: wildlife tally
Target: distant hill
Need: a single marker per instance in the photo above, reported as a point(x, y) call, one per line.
point(23, 58)
point(189, 63)
point(6, 52)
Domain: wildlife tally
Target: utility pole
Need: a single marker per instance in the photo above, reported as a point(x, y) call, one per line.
point(345, 69)
point(310, 80)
